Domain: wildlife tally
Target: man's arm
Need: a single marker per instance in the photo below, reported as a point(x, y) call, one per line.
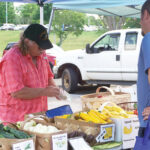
point(51, 82)
point(146, 111)
point(30, 93)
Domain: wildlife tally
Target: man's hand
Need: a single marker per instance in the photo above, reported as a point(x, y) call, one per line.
point(52, 91)
point(146, 113)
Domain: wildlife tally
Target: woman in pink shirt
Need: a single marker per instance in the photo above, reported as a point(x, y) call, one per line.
point(25, 76)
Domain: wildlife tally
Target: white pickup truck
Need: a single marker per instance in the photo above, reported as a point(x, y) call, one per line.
point(111, 59)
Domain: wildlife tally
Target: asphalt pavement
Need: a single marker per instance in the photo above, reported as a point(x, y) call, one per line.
point(75, 100)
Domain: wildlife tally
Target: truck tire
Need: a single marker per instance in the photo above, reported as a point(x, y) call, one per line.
point(69, 80)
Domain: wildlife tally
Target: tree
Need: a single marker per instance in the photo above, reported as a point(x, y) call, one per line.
point(66, 22)
point(112, 22)
point(29, 13)
point(132, 23)
point(47, 12)
point(10, 12)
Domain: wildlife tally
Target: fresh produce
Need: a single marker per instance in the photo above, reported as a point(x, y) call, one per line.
point(116, 112)
point(11, 133)
point(65, 116)
point(18, 134)
point(91, 116)
point(136, 112)
point(102, 117)
point(130, 112)
point(111, 145)
point(97, 115)
point(39, 128)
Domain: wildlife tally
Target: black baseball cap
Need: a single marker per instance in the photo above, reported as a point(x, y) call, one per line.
point(38, 34)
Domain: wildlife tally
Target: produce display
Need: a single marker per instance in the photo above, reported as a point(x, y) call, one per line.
point(102, 117)
point(99, 128)
point(39, 128)
point(90, 116)
point(11, 133)
point(117, 112)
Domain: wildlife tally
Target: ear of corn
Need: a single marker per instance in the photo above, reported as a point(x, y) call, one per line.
point(86, 117)
point(68, 116)
point(115, 112)
point(96, 114)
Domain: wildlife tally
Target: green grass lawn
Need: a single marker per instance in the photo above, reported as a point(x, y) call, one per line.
point(72, 42)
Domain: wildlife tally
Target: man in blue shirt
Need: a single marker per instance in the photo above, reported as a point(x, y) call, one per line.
point(143, 83)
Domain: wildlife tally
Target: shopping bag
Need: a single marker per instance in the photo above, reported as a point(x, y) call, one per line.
point(143, 143)
point(59, 111)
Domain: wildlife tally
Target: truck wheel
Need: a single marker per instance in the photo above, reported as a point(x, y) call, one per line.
point(69, 80)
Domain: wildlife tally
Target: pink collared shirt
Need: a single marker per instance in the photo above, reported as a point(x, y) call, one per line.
point(16, 72)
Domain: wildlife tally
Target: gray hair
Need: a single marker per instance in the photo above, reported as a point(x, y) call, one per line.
point(23, 46)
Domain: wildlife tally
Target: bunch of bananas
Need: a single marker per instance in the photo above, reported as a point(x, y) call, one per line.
point(115, 112)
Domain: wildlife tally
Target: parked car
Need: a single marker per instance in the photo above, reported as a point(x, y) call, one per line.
point(55, 51)
point(7, 27)
point(18, 27)
point(111, 59)
point(51, 53)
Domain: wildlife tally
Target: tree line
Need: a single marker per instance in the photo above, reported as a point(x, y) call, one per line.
point(64, 21)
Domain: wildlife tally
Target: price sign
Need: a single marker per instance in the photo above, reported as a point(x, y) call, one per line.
point(79, 143)
point(60, 142)
point(25, 145)
point(106, 133)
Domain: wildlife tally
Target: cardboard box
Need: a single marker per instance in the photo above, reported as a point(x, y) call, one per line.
point(126, 131)
point(39, 115)
point(48, 141)
point(99, 131)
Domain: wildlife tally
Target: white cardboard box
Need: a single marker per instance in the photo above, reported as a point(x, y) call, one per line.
point(126, 131)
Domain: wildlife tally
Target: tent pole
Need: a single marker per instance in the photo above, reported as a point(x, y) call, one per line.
point(50, 19)
point(41, 15)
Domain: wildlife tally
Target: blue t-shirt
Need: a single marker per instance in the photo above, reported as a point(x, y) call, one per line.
point(143, 86)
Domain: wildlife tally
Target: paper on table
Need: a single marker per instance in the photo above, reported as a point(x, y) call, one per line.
point(79, 143)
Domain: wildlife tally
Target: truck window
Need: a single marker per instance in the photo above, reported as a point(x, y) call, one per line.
point(130, 41)
point(109, 42)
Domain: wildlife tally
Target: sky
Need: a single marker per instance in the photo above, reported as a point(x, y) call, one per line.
point(17, 4)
